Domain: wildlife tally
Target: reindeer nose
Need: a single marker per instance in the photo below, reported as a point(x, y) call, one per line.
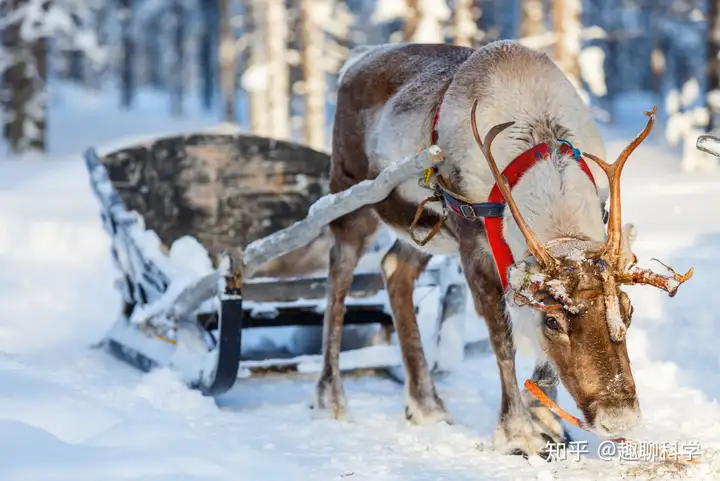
point(614, 421)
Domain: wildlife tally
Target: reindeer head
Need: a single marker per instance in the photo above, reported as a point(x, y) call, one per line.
point(576, 285)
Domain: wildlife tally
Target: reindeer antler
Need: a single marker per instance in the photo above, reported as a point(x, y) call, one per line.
point(628, 274)
point(670, 284)
point(542, 255)
point(613, 172)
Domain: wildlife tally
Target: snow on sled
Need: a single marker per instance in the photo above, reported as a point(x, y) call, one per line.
point(180, 212)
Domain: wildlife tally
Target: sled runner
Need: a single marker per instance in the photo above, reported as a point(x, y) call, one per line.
point(221, 248)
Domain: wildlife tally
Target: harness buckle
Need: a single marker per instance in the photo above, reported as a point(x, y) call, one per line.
point(467, 211)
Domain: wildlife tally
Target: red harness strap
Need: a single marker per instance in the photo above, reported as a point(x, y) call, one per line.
point(513, 172)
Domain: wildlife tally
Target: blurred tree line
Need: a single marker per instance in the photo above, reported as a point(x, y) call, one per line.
point(271, 65)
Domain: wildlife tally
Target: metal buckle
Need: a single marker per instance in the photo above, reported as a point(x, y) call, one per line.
point(465, 208)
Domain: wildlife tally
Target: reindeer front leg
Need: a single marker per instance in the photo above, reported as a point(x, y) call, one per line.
point(516, 432)
point(546, 378)
point(401, 267)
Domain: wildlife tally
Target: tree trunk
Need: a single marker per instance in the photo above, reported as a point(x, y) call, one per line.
point(568, 25)
point(425, 21)
point(103, 17)
point(256, 77)
point(533, 18)
point(178, 13)
point(276, 30)
point(76, 67)
point(339, 40)
point(153, 55)
point(128, 51)
point(412, 21)
point(205, 52)
point(464, 25)
point(228, 59)
point(713, 65)
point(23, 80)
point(314, 77)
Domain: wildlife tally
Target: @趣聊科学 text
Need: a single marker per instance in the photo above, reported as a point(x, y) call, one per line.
point(627, 451)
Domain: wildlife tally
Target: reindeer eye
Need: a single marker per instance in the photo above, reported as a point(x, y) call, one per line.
point(552, 323)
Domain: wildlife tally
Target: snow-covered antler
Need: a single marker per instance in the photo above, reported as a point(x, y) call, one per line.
point(621, 269)
point(670, 284)
point(613, 172)
point(624, 273)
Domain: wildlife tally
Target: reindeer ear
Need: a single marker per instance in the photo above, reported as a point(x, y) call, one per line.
point(604, 194)
point(519, 272)
point(629, 234)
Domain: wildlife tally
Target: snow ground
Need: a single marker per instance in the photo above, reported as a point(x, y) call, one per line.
point(71, 412)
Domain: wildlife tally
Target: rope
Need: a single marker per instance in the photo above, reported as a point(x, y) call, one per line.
point(558, 411)
point(576, 152)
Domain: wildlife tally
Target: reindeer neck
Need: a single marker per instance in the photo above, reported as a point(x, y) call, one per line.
point(555, 193)
point(558, 199)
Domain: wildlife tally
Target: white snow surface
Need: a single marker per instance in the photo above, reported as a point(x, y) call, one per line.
point(69, 412)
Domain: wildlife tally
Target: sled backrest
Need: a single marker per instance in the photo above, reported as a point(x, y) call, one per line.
point(224, 190)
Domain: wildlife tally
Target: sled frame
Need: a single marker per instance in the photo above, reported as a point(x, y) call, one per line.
point(144, 281)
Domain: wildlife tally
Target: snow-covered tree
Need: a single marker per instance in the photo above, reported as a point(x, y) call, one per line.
point(346, 29)
point(25, 26)
point(599, 50)
point(278, 69)
point(425, 21)
point(206, 56)
point(568, 27)
point(533, 18)
point(267, 78)
point(127, 73)
point(313, 15)
point(713, 68)
point(412, 20)
point(228, 62)
point(697, 112)
point(465, 28)
point(686, 35)
point(179, 24)
point(255, 77)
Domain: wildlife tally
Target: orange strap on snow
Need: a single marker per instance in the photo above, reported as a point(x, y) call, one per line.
point(551, 405)
point(557, 410)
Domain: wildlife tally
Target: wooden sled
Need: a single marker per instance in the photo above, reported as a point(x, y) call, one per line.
point(184, 214)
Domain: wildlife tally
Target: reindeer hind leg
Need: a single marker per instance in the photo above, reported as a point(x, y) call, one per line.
point(352, 234)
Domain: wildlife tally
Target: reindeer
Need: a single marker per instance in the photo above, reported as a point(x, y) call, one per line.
point(523, 211)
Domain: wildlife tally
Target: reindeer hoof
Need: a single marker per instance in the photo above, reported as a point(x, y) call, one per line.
point(521, 435)
point(545, 454)
point(427, 410)
point(329, 399)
